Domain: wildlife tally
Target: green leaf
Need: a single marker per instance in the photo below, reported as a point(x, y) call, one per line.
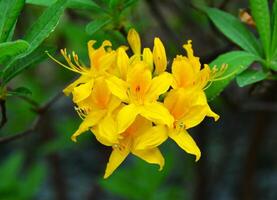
point(237, 61)
point(9, 170)
point(9, 11)
point(114, 3)
point(129, 3)
point(250, 76)
point(233, 29)
point(274, 65)
point(261, 15)
point(84, 4)
point(41, 2)
point(274, 32)
point(45, 24)
point(31, 184)
point(20, 91)
point(17, 66)
point(12, 49)
point(96, 25)
point(75, 4)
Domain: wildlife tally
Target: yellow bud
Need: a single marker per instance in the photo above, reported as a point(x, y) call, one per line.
point(159, 56)
point(148, 58)
point(134, 41)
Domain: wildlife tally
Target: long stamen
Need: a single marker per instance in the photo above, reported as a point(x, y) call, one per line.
point(65, 66)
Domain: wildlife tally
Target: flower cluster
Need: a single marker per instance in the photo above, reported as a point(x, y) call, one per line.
point(133, 105)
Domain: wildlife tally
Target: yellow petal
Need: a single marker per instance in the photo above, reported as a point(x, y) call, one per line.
point(152, 156)
point(210, 113)
point(139, 79)
point(193, 60)
point(122, 63)
point(177, 102)
point(118, 87)
point(148, 58)
point(186, 142)
point(117, 156)
point(151, 138)
point(183, 72)
point(159, 85)
point(126, 116)
point(100, 94)
point(113, 104)
point(69, 89)
point(106, 61)
point(134, 41)
point(156, 113)
point(91, 119)
point(82, 91)
point(159, 56)
point(194, 116)
point(106, 131)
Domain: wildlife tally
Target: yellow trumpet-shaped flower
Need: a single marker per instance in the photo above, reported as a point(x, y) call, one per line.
point(101, 60)
point(99, 116)
point(141, 139)
point(141, 92)
point(132, 105)
point(187, 74)
point(188, 108)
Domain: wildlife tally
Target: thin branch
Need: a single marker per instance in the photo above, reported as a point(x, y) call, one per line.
point(40, 111)
point(3, 113)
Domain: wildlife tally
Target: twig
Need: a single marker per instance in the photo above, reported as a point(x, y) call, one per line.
point(40, 111)
point(3, 113)
point(21, 134)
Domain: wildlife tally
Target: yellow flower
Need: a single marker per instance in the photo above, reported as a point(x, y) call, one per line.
point(141, 92)
point(99, 115)
point(188, 109)
point(119, 98)
point(187, 74)
point(141, 139)
point(101, 60)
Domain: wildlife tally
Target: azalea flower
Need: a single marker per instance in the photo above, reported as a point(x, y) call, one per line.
point(99, 117)
point(141, 139)
point(140, 92)
point(130, 103)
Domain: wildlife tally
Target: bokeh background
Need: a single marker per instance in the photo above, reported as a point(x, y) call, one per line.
point(239, 159)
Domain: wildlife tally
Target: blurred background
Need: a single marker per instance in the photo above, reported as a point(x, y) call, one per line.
point(239, 159)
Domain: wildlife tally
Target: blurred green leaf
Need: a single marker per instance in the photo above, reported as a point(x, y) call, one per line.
point(232, 28)
point(250, 76)
point(114, 3)
point(274, 65)
point(45, 24)
point(96, 25)
point(41, 2)
point(21, 64)
point(75, 4)
point(84, 4)
point(274, 31)
point(261, 15)
point(20, 91)
point(9, 11)
point(9, 169)
point(12, 49)
point(237, 61)
point(32, 182)
point(129, 3)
